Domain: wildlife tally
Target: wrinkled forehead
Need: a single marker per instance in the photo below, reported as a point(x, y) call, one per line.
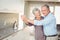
point(44, 8)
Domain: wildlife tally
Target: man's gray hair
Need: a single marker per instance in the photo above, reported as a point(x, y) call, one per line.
point(46, 6)
point(35, 9)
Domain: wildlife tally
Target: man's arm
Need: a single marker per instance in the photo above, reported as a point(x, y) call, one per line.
point(40, 22)
point(30, 21)
point(44, 21)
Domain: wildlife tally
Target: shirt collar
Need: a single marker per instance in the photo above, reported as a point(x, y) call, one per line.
point(47, 15)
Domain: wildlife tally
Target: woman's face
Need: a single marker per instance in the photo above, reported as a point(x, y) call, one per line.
point(37, 14)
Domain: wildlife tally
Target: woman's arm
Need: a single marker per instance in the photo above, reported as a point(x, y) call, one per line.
point(30, 21)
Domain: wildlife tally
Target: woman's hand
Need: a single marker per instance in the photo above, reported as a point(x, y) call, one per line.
point(27, 20)
point(23, 17)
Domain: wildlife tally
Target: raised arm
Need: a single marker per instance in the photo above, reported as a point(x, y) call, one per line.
point(27, 20)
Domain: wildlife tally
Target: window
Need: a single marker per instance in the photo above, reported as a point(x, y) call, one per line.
point(57, 14)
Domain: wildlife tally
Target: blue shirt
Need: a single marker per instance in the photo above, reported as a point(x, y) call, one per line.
point(49, 24)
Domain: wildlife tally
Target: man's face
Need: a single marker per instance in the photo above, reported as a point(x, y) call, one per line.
point(45, 11)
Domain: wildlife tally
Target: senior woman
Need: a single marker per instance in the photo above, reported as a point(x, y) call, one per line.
point(39, 33)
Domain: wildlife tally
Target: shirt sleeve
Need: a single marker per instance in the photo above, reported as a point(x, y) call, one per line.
point(36, 22)
point(29, 24)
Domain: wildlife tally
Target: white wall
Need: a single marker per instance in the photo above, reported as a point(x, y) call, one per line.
point(15, 6)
